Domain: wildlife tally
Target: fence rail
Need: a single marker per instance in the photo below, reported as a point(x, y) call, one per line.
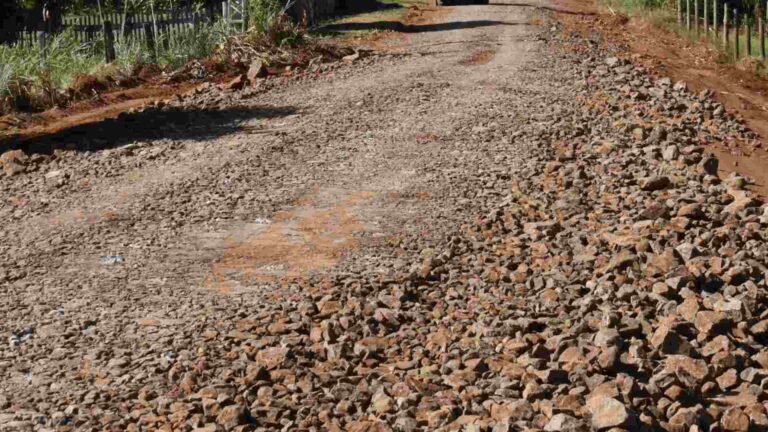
point(89, 28)
point(740, 32)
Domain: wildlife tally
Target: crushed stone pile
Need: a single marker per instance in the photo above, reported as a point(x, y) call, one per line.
point(611, 281)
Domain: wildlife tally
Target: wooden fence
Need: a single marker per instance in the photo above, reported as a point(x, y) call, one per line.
point(90, 28)
point(87, 28)
point(741, 33)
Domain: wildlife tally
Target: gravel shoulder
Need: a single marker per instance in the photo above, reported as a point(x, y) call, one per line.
point(498, 227)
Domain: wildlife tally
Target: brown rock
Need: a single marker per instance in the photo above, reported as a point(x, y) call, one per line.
point(351, 58)
point(570, 357)
point(728, 379)
point(565, 423)
point(717, 344)
point(683, 419)
point(655, 183)
point(272, 358)
point(210, 408)
point(734, 420)
point(257, 70)
point(760, 329)
point(14, 156)
point(237, 83)
point(622, 260)
point(569, 403)
point(741, 200)
point(709, 322)
point(532, 391)
point(696, 368)
point(757, 415)
point(688, 309)
point(608, 358)
point(328, 307)
point(12, 168)
point(381, 403)
point(708, 165)
point(231, 416)
point(741, 399)
point(608, 413)
point(606, 389)
point(668, 341)
point(692, 211)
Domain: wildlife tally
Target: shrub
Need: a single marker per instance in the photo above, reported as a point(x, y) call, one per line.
point(263, 14)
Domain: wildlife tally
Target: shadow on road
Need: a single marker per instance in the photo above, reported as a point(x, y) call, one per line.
point(539, 6)
point(404, 28)
point(174, 123)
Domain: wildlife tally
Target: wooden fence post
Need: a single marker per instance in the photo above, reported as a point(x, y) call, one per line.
point(696, 16)
point(706, 17)
point(150, 36)
point(748, 36)
point(725, 25)
point(736, 32)
point(761, 32)
point(109, 42)
point(41, 42)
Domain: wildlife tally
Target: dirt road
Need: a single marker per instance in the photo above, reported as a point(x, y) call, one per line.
point(388, 245)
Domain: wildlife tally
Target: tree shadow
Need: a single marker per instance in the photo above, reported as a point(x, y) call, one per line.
point(405, 28)
point(354, 7)
point(539, 6)
point(150, 124)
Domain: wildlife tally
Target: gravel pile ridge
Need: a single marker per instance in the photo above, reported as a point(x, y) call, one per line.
point(603, 278)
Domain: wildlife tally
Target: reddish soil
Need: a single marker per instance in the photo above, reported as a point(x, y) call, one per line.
point(24, 126)
point(310, 237)
point(666, 54)
point(479, 57)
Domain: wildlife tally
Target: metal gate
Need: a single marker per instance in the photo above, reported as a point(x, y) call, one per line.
point(235, 13)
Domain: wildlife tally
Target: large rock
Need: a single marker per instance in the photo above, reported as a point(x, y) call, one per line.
point(608, 413)
point(256, 70)
point(655, 183)
point(565, 423)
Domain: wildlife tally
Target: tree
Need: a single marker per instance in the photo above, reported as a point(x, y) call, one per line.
point(10, 20)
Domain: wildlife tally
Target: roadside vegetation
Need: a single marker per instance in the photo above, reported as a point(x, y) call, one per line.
point(663, 14)
point(34, 79)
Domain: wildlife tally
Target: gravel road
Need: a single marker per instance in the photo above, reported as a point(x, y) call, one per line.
point(498, 227)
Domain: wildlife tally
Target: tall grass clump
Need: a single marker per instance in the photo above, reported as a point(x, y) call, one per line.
point(172, 49)
point(638, 6)
point(28, 72)
point(191, 43)
point(272, 26)
point(263, 14)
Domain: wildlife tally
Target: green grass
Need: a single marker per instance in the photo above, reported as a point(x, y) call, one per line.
point(32, 77)
point(635, 6)
point(64, 57)
point(173, 49)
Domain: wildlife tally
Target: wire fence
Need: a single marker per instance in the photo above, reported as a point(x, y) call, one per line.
point(89, 28)
point(741, 32)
